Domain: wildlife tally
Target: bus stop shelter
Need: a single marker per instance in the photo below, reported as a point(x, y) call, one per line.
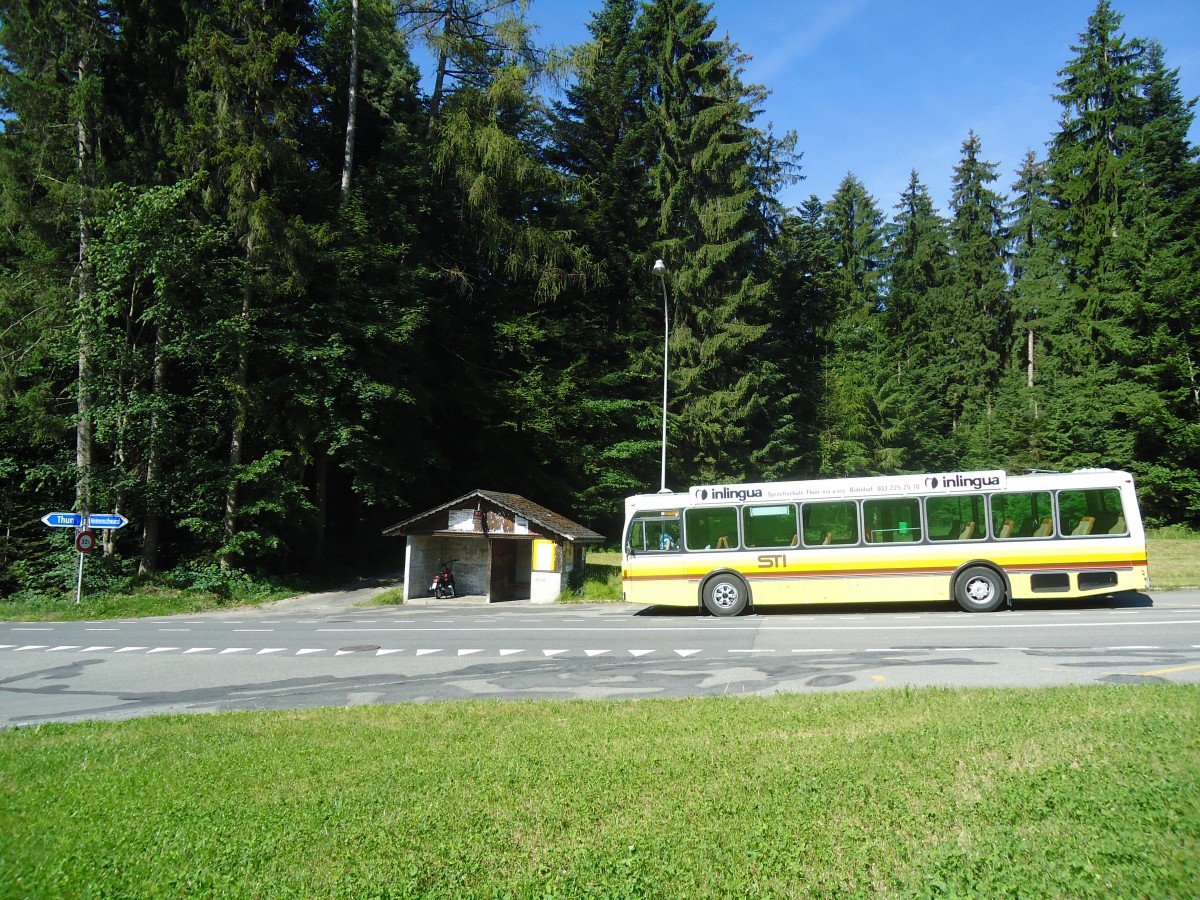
point(500, 546)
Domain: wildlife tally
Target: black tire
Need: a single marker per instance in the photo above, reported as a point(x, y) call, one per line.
point(979, 589)
point(726, 595)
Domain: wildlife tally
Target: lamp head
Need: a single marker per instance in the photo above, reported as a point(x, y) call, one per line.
point(660, 268)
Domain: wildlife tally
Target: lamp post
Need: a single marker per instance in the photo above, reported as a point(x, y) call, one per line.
point(660, 270)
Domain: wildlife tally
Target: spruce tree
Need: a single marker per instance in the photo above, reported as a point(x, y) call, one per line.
point(859, 421)
point(917, 346)
point(601, 140)
point(979, 302)
point(711, 232)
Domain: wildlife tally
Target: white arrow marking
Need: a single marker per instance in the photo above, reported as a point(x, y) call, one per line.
point(553, 652)
point(426, 652)
point(596, 652)
point(469, 652)
point(687, 652)
point(510, 652)
point(639, 652)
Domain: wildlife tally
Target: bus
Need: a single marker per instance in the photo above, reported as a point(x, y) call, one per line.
point(979, 539)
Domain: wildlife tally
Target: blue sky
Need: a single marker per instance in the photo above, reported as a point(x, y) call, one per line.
point(881, 87)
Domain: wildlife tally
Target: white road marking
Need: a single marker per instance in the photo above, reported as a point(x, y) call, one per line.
point(639, 652)
point(233, 650)
point(23, 628)
point(266, 650)
point(553, 652)
point(427, 651)
point(596, 652)
point(199, 649)
point(308, 650)
point(162, 650)
point(91, 649)
point(63, 647)
point(686, 653)
point(510, 652)
point(469, 652)
point(130, 649)
point(386, 652)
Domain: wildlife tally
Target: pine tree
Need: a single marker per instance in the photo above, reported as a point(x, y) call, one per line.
point(1168, 211)
point(917, 347)
point(712, 234)
point(978, 299)
point(797, 342)
point(601, 140)
point(859, 433)
point(1091, 335)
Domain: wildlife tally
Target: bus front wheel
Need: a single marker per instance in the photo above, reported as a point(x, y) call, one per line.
point(979, 589)
point(726, 595)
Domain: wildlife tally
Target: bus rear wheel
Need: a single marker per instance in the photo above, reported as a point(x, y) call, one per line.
point(979, 589)
point(726, 595)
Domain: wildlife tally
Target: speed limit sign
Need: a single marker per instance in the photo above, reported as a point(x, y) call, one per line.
point(85, 541)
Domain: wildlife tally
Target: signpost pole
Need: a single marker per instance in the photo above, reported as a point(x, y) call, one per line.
point(79, 582)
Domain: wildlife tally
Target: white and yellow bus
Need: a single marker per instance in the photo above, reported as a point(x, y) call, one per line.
point(978, 538)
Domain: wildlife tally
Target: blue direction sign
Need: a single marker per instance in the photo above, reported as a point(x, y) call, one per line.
point(63, 520)
point(107, 520)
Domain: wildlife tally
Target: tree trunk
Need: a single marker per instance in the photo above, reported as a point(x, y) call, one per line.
point(348, 156)
point(150, 526)
point(241, 412)
point(84, 435)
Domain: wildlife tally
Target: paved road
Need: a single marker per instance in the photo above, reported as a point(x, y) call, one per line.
point(324, 651)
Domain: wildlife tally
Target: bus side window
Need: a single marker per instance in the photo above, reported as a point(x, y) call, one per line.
point(710, 527)
point(1092, 511)
point(654, 532)
point(829, 523)
point(1021, 515)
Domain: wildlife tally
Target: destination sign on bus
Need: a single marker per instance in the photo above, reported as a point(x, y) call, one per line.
point(937, 483)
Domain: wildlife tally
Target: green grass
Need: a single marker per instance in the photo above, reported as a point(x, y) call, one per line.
point(390, 597)
point(1066, 792)
point(1174, 558)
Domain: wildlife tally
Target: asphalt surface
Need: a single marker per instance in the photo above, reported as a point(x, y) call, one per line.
point(324, 650)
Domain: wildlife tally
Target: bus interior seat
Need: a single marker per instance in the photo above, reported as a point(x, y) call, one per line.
point(1045, 528)
point(1006, 529)
point(968, 532)
point(1085, 525)
point(1118, 526)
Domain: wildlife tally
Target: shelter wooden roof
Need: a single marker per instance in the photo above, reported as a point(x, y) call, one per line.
point(551, 521)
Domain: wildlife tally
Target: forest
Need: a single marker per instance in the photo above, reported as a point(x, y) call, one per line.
point(267, 287)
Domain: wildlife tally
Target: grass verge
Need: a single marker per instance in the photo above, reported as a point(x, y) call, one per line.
point(1071, 792)
point(1174, 558)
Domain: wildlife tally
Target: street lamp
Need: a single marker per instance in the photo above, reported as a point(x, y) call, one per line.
point(660, 270)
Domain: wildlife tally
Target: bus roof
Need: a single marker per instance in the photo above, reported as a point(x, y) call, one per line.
point(882, 485)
